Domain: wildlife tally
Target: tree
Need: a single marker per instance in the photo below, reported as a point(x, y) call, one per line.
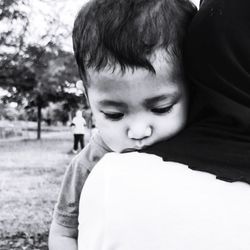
point(34, 74)
point(12, 39)
point(40, 77)
point(52, 73)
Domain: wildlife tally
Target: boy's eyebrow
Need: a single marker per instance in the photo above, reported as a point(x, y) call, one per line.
point(113, 103)
point(168, 97)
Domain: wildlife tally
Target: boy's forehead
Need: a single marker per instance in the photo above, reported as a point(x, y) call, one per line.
point(160, 60)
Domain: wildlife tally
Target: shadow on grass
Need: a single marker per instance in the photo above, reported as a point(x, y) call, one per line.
point(23, 241)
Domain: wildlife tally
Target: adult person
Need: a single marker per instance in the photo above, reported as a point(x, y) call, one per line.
point(169, 207)
point(217, 55)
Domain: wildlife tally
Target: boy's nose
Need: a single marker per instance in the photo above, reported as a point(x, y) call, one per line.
point(139, 132)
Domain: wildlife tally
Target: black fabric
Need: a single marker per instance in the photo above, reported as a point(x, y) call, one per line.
point(217, 61)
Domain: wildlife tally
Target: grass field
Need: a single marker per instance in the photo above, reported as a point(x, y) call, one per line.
point(31, 173)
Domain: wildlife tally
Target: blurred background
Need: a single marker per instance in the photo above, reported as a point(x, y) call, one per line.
point(38, 100)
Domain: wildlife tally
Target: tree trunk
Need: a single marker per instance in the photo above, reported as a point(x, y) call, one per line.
point(39, 120)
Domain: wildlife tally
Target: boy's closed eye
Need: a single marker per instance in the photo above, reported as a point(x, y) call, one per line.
point(162, 110)
point(114, 116)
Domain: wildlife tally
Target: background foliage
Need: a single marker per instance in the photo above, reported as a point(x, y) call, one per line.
point(35, 74)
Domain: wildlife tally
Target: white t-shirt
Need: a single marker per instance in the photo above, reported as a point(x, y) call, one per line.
point(136, 201)
point(80, 125)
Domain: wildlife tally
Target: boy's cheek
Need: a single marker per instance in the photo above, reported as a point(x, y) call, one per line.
point(110, 139)
point(101, 121)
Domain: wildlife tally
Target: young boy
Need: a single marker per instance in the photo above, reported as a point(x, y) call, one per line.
point(129, 54)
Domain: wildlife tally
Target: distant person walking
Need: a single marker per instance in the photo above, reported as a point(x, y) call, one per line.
point(79, 128)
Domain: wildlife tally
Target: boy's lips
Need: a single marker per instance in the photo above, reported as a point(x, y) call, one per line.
point(136, 146)
point(127, 150)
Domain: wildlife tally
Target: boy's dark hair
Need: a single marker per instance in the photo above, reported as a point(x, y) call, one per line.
point(127, 32)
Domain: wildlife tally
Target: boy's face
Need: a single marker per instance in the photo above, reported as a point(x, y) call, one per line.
point(136, 109)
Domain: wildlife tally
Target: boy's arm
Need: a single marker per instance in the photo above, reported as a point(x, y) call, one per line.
point(61, 237)
point(64, 227)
